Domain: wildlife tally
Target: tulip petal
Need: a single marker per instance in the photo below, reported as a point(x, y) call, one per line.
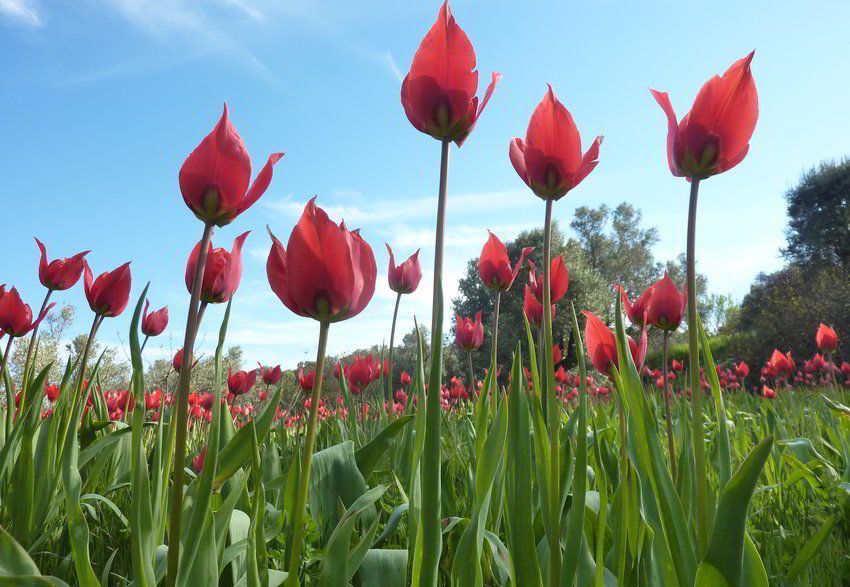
point(672, 129)
point(261, 183)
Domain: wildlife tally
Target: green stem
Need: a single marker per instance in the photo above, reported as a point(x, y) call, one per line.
point(494, 370)
point(307, 459)
point(553, 412)
point(698, 433)
point(471, 372)
point(432, 536)
point(388, 391)
point(30, 349)
point(10, 396)
point(180, 424)
point(671, 445)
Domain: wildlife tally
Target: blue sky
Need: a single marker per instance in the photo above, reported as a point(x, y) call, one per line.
point(101, 101)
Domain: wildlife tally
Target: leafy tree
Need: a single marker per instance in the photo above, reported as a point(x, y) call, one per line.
point(161, 374)
point(114, 372)
point(49, 339)
point(819, 217)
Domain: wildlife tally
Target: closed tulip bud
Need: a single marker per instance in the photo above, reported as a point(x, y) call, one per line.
point(215, 176)
point(51, 391)
point(559, 280)
point(404, 278)
point(438, 94)
point(270, 375)
point(16, 317)
point(59, 274)
point(549, 161)
point(154, 324)
point(533, 309)
point(177, 361)
point(326, 272)
point(677, 365)
point(715, 135)
point(602, 346)
point(469, 334)
point(494, 265)
point(109, 293)
point(666, 306)
point(768, 392)
point(198, 461)
point(826, 339)
point(241, 382)
point(222, 272)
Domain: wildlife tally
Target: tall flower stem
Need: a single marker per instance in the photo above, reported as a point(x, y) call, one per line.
point(671, 446)
point(176, 498)
point(30, 349)
point(307, 459)
point(698, 433)
point(10, 396)
point(494, 354)
point(471, 373)
point(553, 412)
point(432, 537)
point(388, 390)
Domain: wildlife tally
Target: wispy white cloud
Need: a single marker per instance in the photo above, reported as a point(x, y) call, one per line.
point(21, 12)
point(388, 60)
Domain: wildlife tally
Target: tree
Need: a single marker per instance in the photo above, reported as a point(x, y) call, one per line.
point(162, 375)
point(818, 230)
point(113, 372)
point(50, 334)
point(783, 310)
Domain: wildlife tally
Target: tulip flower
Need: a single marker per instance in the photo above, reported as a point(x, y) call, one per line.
point(768, 392)
point(636, 311)
point(559, 280)
point(405, 378)
point(715, 135)
point(666, 305)
point(469, 333)
point(109, 293)
point(153, 399)
point(270, 375)
point(712, 138)
point(16, 317)
point(362, 372)
point(241, 382)
point(326, 272)
point(782, 365)
point(494, 265)
point(438, 94)
point(154, 324)
point(826, 339)
point(404, 278)
point(550, 161)
point(602, 346)
point(533, 309)
point(742, 369)
point(59, 274)
point(678, 366)
point(305, 380)
point(51, 391)
point(198, 461)
point(177, 360)
point(215, 176)
point(222, 271)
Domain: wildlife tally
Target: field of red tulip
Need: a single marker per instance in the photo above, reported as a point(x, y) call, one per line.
point(599, 469)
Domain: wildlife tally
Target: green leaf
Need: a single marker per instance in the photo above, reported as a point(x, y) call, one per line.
point(811, 548)
point(334, 478)
point(369, 456)
point(386, 568)
point(726, 549)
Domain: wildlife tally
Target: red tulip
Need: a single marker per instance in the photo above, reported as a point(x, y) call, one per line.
point(826, 339)
point(469, 334)
point(768, 392)
point(534, 309)
point(602, 345)
point(715, 135)
point(270, 375)
point(16, 316)
point(742, 369)
point(549, 161)
point(404, 278)
point(152, 399)
point(59, 274)
point(155, 323)
point(677, 365)
point(241, 382)
point(666, 306)
point(781, 365)
point(361, 372)
point(494, 265)
point(404, 378)
point(215, 176)
point(51, 391)
point(559, 280)
point(108, 294)
point(636, 311)
point(306, 380)
point(557, 354)
point(177, 361)
point(327, 272)
point(438, 94)
point(222, 272)
point(198, 461)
